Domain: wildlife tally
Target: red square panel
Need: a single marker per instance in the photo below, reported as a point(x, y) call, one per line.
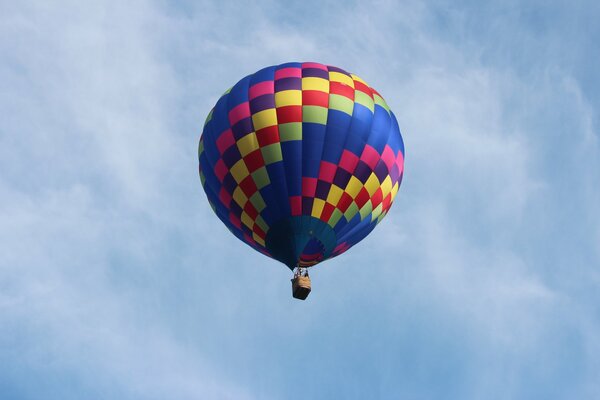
point(388, 157)
point(296, 205)
point(289, 114)
point(221, 169)
point(225, 140)
point(267, 136)
point(344, 202)
point(254, 160)
point(348, 161)
point(251, 211)
point(225, 197)
point(290, 72)
point(363, 88)
point(362, 197)
point(239, 112)
point(248, 186)
point(309, 187)
point(256, 229)
point(327, 171)
point(370, 156)
point(387, 202)
point(341, 89)
point(248, 239)
point(314, 65)
point(235, 221)
point(400, 162)
point(377, 197)
point(328, 209)
point(315, 98)
point(266, 87)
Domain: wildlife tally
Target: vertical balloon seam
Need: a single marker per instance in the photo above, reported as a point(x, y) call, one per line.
point(366, 223)
point(298, 251)
point(208, 173)
point(329, 132)
point(345, 143)
point(355, 117)
point(321, 157)
point(208, 187)
point(401, 151)
point(387, 115)
point(325, 142)
point(356, 109)
point(352, 128)
point(240, 231)
point(229, 100)
point(252, 132)
point(273, 208)
point(283, 153)
point(209, 137)
point(281, 207)
point(324, 132)
point(369, 130)
point(390, 132)
point(298, 234)
point(345, 148)
point(328, 135)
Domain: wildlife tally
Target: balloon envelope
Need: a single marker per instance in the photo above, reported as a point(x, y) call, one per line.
point(301, 161)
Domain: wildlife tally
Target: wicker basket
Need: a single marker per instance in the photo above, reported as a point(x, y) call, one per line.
point(300, 287)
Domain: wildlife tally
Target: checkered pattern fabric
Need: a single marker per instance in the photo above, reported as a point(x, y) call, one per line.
point(301, 139)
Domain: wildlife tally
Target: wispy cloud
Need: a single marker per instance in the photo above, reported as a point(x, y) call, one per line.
point(117, 281)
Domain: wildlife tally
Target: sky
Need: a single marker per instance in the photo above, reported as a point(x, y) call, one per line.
point(118, 281)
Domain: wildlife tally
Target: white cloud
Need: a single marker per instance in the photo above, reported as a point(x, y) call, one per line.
point(113, 268)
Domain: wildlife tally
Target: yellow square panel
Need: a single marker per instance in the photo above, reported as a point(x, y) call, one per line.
point(394, 191)
point(246, 220)
point(312, 83)
point(247, 144)
point(317, 209)
point(258, 239)
point(239, 197)
point(357, 78)
point(239, 171)
point(288, 98)
point(372, 184)
point(264, 119)
point(353, 187)
point(335, 192)
point(386, 186)
point(339, 77)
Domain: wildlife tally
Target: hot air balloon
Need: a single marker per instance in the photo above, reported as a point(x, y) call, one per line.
point(301, 161)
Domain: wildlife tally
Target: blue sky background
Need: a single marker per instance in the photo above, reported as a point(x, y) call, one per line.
point(117, 281)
